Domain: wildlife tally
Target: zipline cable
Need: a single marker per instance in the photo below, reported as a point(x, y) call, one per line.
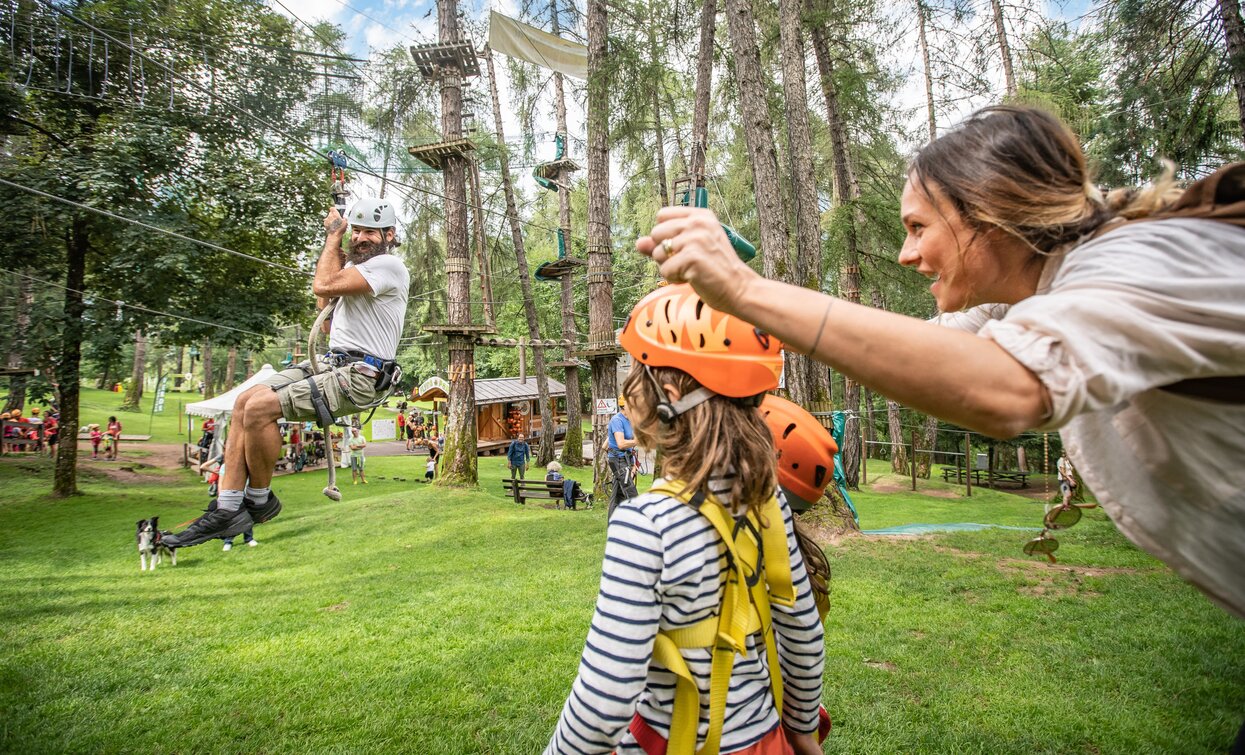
point(148, 226)
point(125, 304)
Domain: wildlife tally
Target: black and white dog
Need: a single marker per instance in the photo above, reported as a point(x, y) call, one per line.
point(151, 545)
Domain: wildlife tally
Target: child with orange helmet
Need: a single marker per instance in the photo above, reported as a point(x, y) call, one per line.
point(680, 658)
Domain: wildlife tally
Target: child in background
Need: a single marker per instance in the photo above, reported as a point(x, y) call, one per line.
point(675, 661)
point(430, 469)
point(96, 438)
point(114, 438)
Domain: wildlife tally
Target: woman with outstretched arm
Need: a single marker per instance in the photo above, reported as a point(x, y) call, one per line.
point(1060, 311)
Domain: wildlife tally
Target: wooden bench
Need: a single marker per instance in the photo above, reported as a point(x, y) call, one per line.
point(521, 490)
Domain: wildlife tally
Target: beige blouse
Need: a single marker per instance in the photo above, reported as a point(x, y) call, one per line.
point(1114, 320)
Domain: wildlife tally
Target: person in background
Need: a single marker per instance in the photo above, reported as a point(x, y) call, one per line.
point(114, 432)
point(356, 444)
point(620, 455)
point(517, 455)
point(97, 437)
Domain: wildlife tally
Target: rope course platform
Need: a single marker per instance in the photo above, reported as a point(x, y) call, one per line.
point(550, 170)
point(599, 350)
point(558, 268)
point(434, 155)
point(457, 55)
point(459, 329)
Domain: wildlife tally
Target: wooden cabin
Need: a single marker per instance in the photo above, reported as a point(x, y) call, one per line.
point(505, 407)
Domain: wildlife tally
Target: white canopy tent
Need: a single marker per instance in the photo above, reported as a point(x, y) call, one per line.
point(222, 405)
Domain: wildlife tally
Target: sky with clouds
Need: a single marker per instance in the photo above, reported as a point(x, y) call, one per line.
point(374, 25)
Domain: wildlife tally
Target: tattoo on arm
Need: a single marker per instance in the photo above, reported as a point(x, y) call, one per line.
point(335, 224)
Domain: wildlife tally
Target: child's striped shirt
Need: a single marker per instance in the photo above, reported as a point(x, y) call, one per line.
point(665, 567)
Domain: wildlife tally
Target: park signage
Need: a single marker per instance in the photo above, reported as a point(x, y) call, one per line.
point(434, 382)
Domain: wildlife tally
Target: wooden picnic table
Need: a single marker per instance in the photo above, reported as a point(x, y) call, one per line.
point(1021, 478)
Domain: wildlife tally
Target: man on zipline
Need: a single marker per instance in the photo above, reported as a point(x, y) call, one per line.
point(371, 286)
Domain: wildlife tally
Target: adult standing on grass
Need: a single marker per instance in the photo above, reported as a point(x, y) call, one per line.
point(517, 455)
point(356, 444)
point(1067, 477)
point(1129, 337)
point(620, 453)
point(114, 434)
point(371, 287)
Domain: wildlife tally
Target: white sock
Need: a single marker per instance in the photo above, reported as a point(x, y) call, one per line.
point(229, 500)
point(257, 495)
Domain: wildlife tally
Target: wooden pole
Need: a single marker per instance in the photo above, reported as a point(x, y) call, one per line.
point(864, 457)
point(968, 467)
point(990, 464)
point(913, 460)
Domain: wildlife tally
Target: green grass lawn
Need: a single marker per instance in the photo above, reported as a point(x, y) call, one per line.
point(170, 425)
point(412, 618)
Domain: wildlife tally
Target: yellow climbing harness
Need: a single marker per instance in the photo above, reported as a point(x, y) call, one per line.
point(759, 572)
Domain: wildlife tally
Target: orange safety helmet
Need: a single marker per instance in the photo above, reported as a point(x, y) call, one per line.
point(805, 451)
point(673, 327)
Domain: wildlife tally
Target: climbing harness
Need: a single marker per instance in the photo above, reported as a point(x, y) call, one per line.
point(758, 574)
point(386, 372)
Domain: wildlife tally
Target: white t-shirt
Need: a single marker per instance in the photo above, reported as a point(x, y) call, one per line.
point(1065, 469)
point(372, 323)
point(1114, 320)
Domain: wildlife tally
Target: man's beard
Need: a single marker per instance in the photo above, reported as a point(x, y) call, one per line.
point(362, 251)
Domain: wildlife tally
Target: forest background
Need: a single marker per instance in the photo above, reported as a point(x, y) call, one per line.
point(162, 163)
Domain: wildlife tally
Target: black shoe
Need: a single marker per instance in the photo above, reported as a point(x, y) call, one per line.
point(216, 523)
point(266, 511)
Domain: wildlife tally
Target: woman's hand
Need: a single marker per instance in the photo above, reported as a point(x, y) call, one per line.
point(690, 246)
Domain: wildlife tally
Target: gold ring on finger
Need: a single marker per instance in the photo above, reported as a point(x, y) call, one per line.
point(667, 247)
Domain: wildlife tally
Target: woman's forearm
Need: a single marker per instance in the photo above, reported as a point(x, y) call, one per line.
point(954, 375)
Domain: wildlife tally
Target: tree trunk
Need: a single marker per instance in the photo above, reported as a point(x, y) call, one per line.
point(478, 233)
point(544, 453)
point(600, 276)
point(1234, 33)
point(1009, 78)
point(78, 246)
point(813, 385)
point(929, 440)
point(573, 443)
point(846, 194)
point(209, 389)
point(134, 395)
point(704, 85)
point(459, 465)
point(871, 429)
point(899, 451)
point(759, 136)
point(231, 368)
point(659, 135)
point(23, 302)
point(177, 376)
point(922, 14)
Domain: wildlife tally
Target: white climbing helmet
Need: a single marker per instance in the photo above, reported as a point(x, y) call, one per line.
point(370, 212)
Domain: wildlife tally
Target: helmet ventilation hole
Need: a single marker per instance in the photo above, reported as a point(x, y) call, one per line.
point(819, 476)
point(790, 429)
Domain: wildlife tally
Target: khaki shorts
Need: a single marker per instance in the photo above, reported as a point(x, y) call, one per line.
point(346, 390)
